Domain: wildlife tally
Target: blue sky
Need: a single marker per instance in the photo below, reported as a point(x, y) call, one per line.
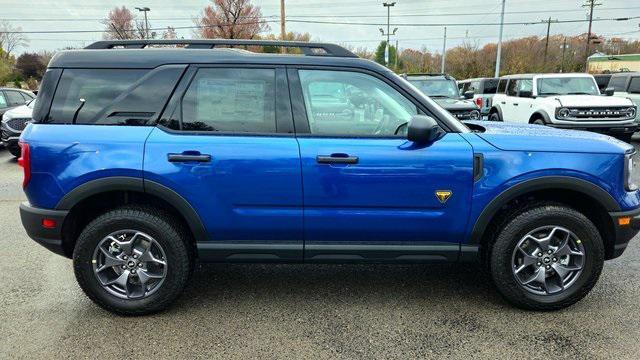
point(39, 15)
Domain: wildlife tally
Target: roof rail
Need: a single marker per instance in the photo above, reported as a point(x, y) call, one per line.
point(308, 49)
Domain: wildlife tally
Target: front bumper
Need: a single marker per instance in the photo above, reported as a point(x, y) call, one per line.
point(602, 128)
point(623, 231)
point(9, 138)
point(32, 220)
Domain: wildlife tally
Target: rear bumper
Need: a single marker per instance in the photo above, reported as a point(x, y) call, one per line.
point(50, 238)
point(624, 233)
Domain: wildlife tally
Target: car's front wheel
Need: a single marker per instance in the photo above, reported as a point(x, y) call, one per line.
point(546, 257)
point(132, 260)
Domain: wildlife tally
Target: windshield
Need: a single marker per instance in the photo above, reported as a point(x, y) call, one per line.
point(567, 86)
point(437, 87)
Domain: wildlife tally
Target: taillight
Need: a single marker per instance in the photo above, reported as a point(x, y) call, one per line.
point(25, 162)
point(479, 102)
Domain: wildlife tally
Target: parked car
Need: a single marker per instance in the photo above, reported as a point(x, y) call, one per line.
point(627, 85)
point(567, 101)
point(13, 122)
point(603, 81)
point(483, 91)
point(228, 156)
point(443, 89)
point(10, 98)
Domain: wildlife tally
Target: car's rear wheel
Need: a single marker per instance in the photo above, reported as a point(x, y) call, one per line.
point(494, 116)
point(547, 257)
point(132, 260)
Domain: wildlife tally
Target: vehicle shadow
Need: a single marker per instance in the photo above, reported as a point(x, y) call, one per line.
point(432, 286)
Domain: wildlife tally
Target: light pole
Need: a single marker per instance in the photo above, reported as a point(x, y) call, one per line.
point(499, 52)
point(146, 22)
point(444, 51)
point(386, 51)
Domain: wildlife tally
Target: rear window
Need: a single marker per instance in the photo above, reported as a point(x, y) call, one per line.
point(98, 87)
point(231, 100)
point(634, 86)
point(489, 86)
point(618, 83)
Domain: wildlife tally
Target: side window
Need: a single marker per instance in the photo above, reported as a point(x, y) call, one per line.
point(489, 86)
point(474, 86)
point(618, 83)
point(634, 85)
point(99, 88)
point(525, 85)
point(512, 88)
point(3, 101)
point(14, 98)
point(502, 86)
point(352, 103)
point(233, 100)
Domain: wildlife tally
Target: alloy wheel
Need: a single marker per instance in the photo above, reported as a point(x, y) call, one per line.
point(129, 264)
point(548, 260)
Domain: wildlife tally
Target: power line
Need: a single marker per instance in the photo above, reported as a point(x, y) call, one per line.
point(337, 16)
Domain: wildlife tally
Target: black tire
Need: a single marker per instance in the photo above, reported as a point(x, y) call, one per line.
point(625, 137)
point(494, 116)
point(516, 227)
point(538, 121)
point(166, 231)
point(15, 151)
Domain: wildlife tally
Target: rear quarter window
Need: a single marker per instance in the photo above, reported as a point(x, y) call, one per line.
point(634, 85)
point(489, 86)
point(618, 83)
point(502, 86)
point(98, 87)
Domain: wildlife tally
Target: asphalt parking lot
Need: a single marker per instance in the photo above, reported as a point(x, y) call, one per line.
point(303, 311)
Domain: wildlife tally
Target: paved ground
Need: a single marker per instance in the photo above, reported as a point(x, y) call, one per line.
point(296, 311)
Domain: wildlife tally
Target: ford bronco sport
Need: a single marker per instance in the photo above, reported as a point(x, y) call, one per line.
point(568, 101)
point(443, 89)
point(142, 161)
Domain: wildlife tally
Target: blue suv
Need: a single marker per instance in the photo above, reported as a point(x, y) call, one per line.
point(142, 161)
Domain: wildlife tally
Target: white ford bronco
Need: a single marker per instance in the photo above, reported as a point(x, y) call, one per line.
point(570, 101)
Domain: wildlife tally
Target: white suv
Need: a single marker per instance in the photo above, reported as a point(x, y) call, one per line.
point(570, 101)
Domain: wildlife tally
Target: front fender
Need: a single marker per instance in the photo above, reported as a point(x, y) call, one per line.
point(585, 187)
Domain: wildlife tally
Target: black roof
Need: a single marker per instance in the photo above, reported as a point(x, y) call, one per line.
point(151, 58)
point(139, 54)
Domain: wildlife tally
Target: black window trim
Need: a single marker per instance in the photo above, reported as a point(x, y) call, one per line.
point(299, 108)
point(284, 121)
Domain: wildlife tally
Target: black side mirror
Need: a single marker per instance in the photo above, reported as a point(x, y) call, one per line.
point(424, 129)
point(525, 93)
point(609, 91)
point(468, 94)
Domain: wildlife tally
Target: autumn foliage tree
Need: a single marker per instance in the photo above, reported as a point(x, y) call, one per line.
point(120, 24)
point(230, 19)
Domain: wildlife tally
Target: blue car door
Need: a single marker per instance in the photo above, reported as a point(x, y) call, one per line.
point(226, 145)
point(370, 194)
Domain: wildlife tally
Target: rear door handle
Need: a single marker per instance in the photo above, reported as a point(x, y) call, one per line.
point(336, 159)
point(515, 104)
point(187, 157)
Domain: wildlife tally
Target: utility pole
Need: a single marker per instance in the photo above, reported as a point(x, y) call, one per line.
point(444, 51)
point(591, 4)
point(546, 45)
point(386, 51)
point(283, 32)
point(499, 52)
point(146, 22)
point(564, 49)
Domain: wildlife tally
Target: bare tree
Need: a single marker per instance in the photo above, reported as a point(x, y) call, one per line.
point(231, 19)
point(120, 24)
point(170, 33)
point(11, 38)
